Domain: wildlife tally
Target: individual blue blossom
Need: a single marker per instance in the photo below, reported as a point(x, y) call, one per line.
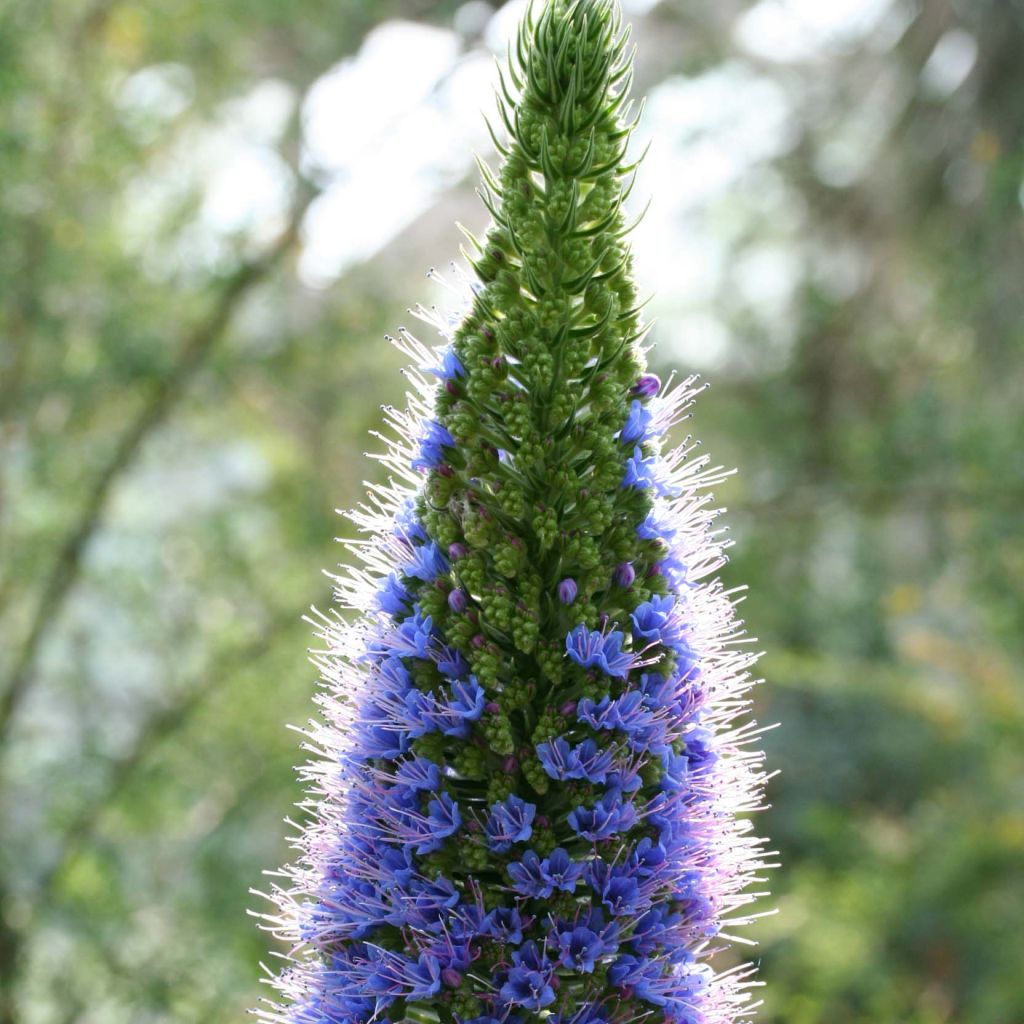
point(393, 598)
point(451, 663)
point(418, 774)
point(510, 821)
point(580, 949)
point(584, 761)
point(528, 877)
point(532, 876)
point(528, 988)
point(639, 471)
point(433, 442)
point(426, 563)
point(449, 367)
point(594, 649)
point(504, 923)
point(637, 428)
point(655, 621)
point(442, 820)
point(606, 818)
point(414, 636)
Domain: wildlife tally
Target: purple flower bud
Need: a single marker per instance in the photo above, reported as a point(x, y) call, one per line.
point(567, 591)
point(493, 707)
point(647, 386)
point(457, 601)
point(451, 977)
point(456, 551)
point(624, 575)
point(452, 388)
point(568, 708)
point(478, 641)
point(509, 765)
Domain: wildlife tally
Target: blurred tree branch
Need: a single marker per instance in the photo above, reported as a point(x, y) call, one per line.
point(163, 398)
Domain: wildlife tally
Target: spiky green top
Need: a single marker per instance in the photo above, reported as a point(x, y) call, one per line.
point(525, 804)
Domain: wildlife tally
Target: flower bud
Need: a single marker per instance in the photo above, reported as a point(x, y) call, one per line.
point(457, 600)
point(647, 386)
point(624, 575)
point(567, 591)
point(457, 551)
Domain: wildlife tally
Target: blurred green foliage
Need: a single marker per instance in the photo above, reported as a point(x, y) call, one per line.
point(180, 414)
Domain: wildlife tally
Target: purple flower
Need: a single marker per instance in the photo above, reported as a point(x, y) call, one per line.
point(647, 386)
point(434, 440)
point(591, 648)
point(567, 591)
point(607, 817)
point(510, 821)
point(624, 575)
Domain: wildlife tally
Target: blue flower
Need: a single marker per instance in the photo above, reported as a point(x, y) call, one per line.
point(412, 639)
point(452, 664)
point(637, 423)
point(657, 526)
point(580, 949)
point(418, 773)
point(560, 871)
point(639, 471)
point(606, 818)
point(504, 924)
point(584, 761)
point(443, 819)
point(528, 876)
point(393, 598)
point(532, 876)
point(653, 929)
point(449, 368)
point(468, 699)
point(510, 821)
point(407, 524)
point(528, 988)
point(654, 621)
point(427, 563)
point(591, 648)
point(434, 440)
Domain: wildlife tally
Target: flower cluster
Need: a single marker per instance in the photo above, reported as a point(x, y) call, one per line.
point(528, 771)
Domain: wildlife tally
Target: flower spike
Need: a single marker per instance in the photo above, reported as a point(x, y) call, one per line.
point(532, 754)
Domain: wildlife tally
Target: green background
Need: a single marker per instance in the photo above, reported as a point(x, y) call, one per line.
point(182, 407)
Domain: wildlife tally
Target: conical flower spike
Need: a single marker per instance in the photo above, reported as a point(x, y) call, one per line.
point(526, 780)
